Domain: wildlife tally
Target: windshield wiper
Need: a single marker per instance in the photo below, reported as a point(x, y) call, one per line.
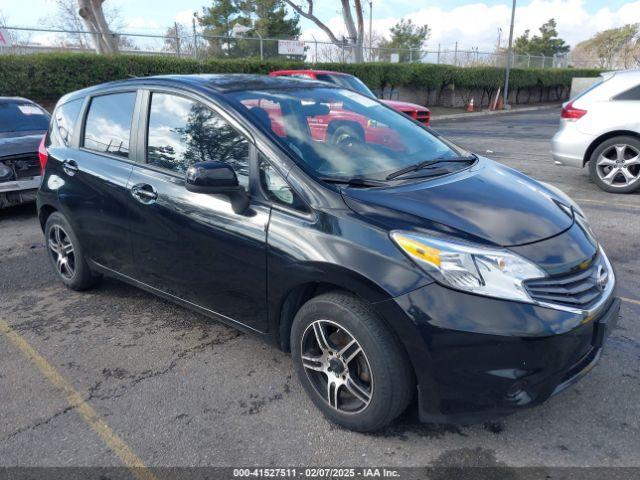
point(427, 163)
point(354, 182)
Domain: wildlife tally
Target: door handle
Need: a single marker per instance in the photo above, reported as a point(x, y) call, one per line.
point(70, 167)
point(144, 193)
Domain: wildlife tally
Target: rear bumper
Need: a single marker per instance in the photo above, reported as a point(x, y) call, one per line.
point(568, 146)
point(18, 185)
point(17, 192)
point(465, 375)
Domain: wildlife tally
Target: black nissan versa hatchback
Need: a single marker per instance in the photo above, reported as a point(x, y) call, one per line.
point(391, 263)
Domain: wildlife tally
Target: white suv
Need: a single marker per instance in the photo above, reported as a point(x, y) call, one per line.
point(601, 127)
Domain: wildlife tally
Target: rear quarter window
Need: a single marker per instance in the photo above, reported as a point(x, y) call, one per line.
point(65, 118)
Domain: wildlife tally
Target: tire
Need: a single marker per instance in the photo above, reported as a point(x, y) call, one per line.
point(615, 165)
point(65, 253)
point(371, 388)
point(346, 136)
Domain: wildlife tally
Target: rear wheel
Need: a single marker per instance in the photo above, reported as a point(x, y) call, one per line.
point(353, 368)
point(615, 165)
point(65, 253)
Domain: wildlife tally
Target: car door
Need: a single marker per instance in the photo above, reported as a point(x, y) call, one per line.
point(192, 245)
point(94, 174)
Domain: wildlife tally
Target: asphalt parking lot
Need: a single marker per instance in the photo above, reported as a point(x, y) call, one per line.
point(173, 388)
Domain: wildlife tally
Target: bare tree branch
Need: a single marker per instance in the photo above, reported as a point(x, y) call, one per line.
point(310, 16)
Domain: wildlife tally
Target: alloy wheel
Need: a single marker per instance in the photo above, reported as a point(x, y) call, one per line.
point(62, 252)
point(619, 165)
point(337, 366)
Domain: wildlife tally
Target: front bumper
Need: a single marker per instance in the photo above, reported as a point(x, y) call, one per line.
point(467, 372)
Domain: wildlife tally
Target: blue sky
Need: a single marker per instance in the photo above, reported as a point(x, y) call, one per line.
point(472, 23)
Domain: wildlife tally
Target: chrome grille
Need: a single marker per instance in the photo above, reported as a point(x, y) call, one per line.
point(577, 288)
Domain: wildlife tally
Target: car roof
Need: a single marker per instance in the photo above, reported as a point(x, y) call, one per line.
point(311, 70)
point(220, 83)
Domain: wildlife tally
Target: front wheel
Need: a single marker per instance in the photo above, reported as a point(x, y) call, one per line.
point(615, 165)
point(351, 365)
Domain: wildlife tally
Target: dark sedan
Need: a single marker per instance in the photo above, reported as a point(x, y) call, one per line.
point(22, 127)
point(391, 263)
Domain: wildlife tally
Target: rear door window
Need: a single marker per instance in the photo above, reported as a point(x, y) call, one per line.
point(631, 94)
point(108, 125)
point(65, 119)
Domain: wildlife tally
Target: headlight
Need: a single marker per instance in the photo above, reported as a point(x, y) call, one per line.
point(472, 268)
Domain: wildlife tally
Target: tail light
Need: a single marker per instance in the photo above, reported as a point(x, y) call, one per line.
point(43, 156)
point(570, 112)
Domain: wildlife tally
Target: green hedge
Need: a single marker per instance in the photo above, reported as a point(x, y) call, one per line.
point(46, 77)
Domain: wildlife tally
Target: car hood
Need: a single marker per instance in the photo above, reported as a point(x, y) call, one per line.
point(19, 143)
point(404, 105)
point(488, 202)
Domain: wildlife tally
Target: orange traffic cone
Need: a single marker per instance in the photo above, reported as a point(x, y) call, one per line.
point(470, 106)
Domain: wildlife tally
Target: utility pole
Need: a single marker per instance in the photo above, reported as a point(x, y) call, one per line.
point(195, 36)
point(175, 26)
point(370, 30)
point(499, 38)
point(509, 55)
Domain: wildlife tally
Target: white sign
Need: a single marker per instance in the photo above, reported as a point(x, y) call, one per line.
point(395, 58)
point(4, 38)
point(290, 47)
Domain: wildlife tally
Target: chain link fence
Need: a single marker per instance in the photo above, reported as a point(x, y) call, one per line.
point(196, 44)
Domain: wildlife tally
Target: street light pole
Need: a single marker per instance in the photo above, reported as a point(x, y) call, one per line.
point(509, 56)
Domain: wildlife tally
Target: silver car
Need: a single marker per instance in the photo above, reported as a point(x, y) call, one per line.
point(601, 128)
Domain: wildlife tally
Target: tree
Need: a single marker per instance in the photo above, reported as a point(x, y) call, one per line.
point(547, 43)
point(67, 17)
point(405, 36)
point(355, 30)
point(14, 38)
point(218, 21)
point(93, 18)
point(271, 19)
point(609, 45)
point(178, 40)
point(261, 18)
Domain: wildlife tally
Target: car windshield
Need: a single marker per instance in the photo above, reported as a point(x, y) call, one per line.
point(346, 81)
point(22, 117)
point(339, 133)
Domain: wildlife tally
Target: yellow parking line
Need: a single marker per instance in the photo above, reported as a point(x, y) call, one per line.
point(608, 204)
point(630, 300)
point(75, 400)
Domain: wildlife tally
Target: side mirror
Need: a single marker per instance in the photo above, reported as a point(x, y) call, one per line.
point(217, 178)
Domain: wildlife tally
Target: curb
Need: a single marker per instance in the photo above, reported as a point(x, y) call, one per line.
point(456, 116)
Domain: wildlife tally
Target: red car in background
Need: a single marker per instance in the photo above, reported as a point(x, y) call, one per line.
point(419, 113)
